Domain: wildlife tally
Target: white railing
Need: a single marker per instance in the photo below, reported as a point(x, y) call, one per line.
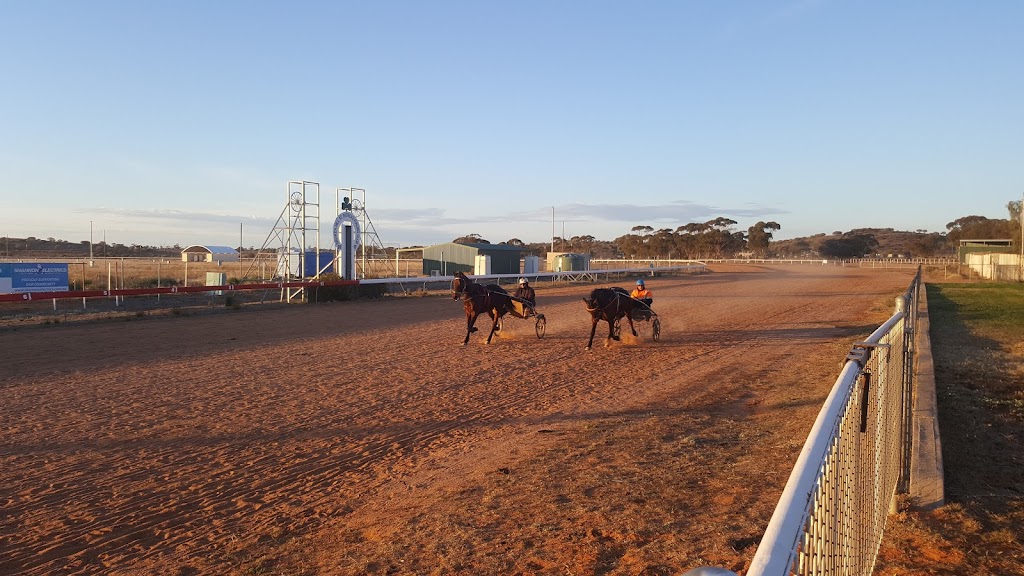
point(832, 512)
point(591, 275)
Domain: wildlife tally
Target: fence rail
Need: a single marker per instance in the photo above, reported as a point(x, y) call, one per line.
point(830, 518)
point(398, 283)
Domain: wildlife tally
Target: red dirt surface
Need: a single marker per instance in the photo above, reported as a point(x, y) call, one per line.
point(361, 438)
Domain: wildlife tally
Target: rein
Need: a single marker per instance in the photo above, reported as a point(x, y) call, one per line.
point(604, 308)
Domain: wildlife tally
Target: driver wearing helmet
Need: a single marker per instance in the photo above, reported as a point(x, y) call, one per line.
point(642, 294)
point(525, 292)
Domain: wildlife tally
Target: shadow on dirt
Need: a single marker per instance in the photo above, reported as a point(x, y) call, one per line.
point(980, 411)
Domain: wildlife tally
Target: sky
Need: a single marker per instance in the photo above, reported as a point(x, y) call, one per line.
point(183, 122)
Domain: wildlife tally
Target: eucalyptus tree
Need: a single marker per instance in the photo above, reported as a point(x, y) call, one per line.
point(759, 236)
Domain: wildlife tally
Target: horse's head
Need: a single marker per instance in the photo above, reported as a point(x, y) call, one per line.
point(460, 285)
point(595, 301)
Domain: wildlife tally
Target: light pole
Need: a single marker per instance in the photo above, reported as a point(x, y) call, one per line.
point(90, 242)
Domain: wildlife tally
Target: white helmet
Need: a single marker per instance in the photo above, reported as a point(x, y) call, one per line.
point(522, 280)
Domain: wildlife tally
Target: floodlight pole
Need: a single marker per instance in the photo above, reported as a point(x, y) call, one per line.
point(362, 218)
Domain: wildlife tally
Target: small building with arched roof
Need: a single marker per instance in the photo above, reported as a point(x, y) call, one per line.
point(201, 253)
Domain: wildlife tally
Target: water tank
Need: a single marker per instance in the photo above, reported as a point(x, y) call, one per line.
point(569, 263)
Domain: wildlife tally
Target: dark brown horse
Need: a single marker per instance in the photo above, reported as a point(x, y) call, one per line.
point(479, 298)
point(610, 304)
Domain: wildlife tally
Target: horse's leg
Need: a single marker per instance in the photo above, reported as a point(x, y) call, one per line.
point(611, 334)
point(629, 318)
point(470, 320)
point(593, 328)
point(494, 325)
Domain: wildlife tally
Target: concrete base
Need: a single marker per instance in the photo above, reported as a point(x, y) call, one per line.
point(927, 488)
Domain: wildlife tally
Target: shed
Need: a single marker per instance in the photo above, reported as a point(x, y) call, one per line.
point(200, 253)
point(449, 258)
point(984, 246)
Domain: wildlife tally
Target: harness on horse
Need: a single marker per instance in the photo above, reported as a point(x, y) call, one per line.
point(464, 289)
point(603, 309)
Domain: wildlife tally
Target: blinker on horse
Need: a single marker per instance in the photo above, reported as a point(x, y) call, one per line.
point(609, 304)
point(477, 299)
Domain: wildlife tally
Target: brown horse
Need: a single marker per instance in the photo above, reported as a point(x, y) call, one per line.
point(477, 299)
point(609, 304)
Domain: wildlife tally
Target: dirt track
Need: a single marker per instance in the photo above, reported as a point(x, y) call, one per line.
point(360, 438)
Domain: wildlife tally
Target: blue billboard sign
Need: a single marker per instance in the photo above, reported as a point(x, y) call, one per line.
point(21, 277)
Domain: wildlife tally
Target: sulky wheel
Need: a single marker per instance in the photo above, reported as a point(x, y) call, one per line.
point(656, 329)
point(541, 326)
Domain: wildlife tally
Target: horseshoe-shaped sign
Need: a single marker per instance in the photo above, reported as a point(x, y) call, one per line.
point(339, 222)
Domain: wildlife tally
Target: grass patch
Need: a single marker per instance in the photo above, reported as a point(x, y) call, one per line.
point(991, 310)
point(977, 331)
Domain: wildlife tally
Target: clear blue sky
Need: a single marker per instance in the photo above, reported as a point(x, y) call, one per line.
point(180, 122)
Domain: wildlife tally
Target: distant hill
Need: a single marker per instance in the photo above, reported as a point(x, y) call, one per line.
point(867, 242)
point(31, 247)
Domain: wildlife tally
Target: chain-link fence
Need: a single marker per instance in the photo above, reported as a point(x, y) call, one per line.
point(830, 518)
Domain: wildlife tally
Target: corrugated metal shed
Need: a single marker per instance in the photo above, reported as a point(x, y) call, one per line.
point(449, 258)
point(203, 253)
point(984, 246)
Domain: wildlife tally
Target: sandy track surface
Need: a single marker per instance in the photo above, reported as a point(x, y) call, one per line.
point(361, 438)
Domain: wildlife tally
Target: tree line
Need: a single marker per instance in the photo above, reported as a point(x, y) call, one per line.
point(719, 238)
point(716, 238)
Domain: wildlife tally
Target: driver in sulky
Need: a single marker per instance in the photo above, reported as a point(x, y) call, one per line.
point(525, 292)
point(642, 294)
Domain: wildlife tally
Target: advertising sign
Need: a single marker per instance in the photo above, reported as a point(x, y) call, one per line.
point(21, 277)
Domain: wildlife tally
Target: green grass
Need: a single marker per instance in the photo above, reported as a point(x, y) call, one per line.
point(976, 335)
point(989, 310)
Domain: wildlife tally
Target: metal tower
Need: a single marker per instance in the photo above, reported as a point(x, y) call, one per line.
point(294, 238)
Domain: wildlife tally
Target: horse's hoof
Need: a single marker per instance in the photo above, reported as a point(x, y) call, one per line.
point(587, 348)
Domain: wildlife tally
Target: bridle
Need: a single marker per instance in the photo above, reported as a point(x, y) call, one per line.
point(604, 309)
point(467, 293)
point(464, 289)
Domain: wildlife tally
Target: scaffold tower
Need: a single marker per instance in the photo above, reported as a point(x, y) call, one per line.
point(295, 236)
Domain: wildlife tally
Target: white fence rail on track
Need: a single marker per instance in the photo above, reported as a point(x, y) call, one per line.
point(577, 276)
point(832, 512)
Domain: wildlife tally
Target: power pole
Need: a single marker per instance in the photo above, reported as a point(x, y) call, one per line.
point(552, 228)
